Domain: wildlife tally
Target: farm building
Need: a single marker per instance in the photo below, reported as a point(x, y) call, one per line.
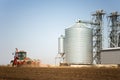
point(110, 56)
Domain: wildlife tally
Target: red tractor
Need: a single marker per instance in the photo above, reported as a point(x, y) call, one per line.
point(21, 59)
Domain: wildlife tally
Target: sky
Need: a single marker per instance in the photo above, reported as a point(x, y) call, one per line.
point(35, 25)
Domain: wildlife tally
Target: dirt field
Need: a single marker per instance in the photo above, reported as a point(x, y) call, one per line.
point(66, 73)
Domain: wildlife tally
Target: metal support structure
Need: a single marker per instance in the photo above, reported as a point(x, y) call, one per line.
point(88, 22)
point(97, 35)
point(60, 58)
point(114, 30)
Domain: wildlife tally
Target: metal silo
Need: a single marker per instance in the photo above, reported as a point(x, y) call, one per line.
point(61, 44)
point(78, 44)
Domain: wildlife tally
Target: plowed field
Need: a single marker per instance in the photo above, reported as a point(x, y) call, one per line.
point(66, 73)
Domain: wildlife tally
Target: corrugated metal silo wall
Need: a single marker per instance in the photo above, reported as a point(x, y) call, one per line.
point(78, 45)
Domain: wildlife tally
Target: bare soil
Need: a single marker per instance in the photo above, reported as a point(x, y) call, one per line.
point(59, 73)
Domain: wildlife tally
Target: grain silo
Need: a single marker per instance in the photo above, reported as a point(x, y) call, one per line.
point(78, 44)
point(61, 44)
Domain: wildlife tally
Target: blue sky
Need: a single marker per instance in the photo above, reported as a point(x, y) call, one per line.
point(35, 25)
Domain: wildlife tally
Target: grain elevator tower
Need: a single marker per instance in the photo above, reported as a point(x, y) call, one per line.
point(97, 35)
point(114, 29)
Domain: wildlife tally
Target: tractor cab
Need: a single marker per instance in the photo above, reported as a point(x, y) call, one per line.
point(21, 55)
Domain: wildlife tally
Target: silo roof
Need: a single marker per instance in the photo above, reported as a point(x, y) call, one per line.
point(79, 25)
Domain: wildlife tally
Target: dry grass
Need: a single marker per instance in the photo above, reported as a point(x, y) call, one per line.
point(63, 73)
